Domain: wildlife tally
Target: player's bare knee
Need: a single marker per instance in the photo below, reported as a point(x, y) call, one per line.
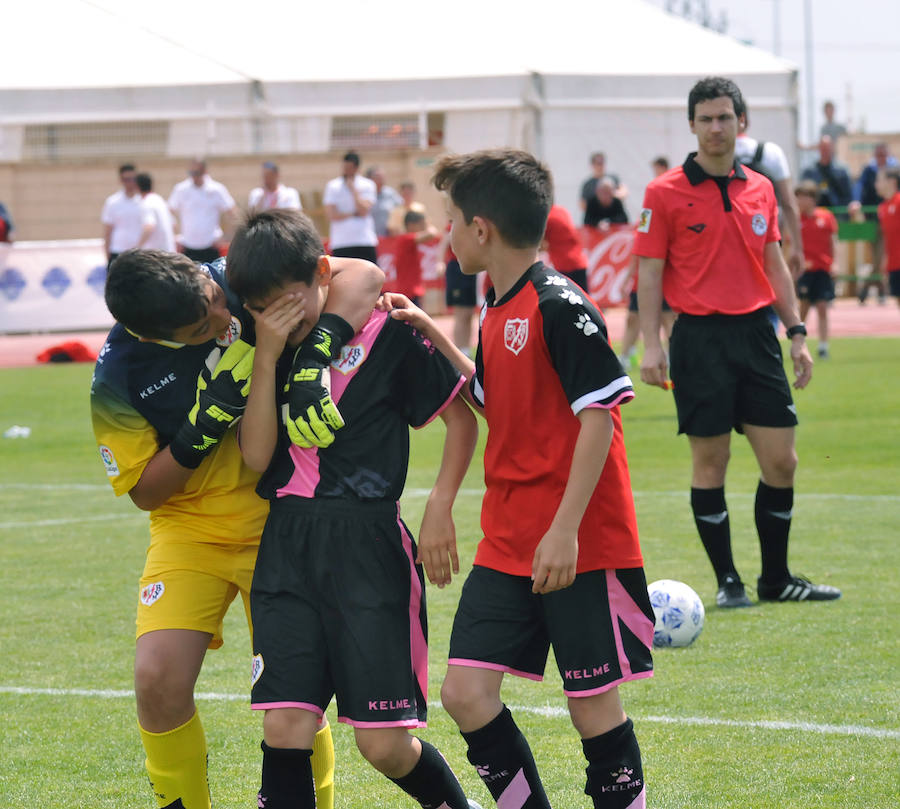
point(388, 750)
point(468, 702)
point(290, 728)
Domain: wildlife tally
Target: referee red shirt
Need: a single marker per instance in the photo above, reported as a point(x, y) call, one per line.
point(564, 245)
point(712, 233)
point(817, 231)
point(542, 357)
point(889, 219)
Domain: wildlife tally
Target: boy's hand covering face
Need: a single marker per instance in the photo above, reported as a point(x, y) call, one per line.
point(310, 415)
point(221, 399)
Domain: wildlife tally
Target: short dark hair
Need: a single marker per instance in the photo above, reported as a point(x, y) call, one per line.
point(352, 157)
point(893, 173)
point(413, 217)
point(153, 293)
point(662, 162)
point(272, 248)
point(144, 182)
point(713, 87)
point(511, 188)
point(126, 167)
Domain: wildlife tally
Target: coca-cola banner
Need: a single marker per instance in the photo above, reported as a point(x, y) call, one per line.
point(608, 254)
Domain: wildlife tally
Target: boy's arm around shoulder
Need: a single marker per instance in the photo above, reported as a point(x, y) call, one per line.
point(355, 287)
point(437, 536)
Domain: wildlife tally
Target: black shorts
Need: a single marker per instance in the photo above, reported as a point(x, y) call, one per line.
point(815, 285)
point(601, 628)
point(894, 281)
point(363, 251)
point(727, 370)
point(202, 255)
point(633, 303)
point(338, 608)
point(461, 289)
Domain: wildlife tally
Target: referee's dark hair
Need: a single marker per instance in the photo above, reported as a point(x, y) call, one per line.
point(272, 248)
point(713, 87)
point(153, 293)
point(510, 188)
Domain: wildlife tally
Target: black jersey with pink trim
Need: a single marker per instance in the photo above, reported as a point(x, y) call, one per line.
point(543, 356)
point(387, 379)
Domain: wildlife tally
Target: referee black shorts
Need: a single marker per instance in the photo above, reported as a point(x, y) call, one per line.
point(815, 286)
point(338, 608)
point(727, 371)
point(461, 289)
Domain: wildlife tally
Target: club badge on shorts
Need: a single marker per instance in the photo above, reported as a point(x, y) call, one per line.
point(256, 669)
point(515, 334)
point(759, 224)
point(152, 593)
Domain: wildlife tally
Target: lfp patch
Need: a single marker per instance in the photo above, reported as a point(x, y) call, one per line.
point(152, 593)
point(231, 334)
point(643, 225)
point(109, 461)
point(759, 224)
point(256, 669)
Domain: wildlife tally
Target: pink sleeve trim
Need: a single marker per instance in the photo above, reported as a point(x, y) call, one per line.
point(459, 383)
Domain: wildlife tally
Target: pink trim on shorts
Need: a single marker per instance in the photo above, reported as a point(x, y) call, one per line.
point(594, 691)
point(365, 338)
point(482, 664)
point(418, 645)
point(270, 706)
point(400, 723)
point(460, 382)
point(622, 606)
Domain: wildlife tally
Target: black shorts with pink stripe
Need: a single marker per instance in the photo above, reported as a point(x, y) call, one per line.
point(338, 608)
point(601, 628)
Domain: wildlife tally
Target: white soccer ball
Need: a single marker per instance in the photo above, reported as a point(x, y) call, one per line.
point(679, 613)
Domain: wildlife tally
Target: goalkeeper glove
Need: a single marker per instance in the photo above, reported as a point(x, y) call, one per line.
point(221, 398)
point(311, 417)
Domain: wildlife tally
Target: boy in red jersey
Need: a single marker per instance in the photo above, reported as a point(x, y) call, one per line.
point(560, 561)
point(408, 259)
point(818, 229)
point(889, 219)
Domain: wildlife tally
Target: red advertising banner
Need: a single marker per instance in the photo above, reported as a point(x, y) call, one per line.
point(609, 254)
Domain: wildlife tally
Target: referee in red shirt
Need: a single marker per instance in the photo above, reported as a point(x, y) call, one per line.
point(708, 240)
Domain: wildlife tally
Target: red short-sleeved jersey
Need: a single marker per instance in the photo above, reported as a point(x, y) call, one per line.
point(889, 219)
point(408, 265)
point(712, 233)
point(564, 245)
point(817, 231)
point(542, 357)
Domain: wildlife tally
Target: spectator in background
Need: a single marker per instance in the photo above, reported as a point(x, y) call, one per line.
point(831, 128)
point(386, 199)
point(6, 234)
point(832, 179)
point(605, 208)
point(158, 231)
point(273, 193)
point(865, 192)
point(461, 295)
point(660, 166)
point(589, 186)
point(408, 259)
point(349, 200)
point(199, 202)
point(408, 203)
point(889, 219)
point(564, 246)
point(122, 215)
point(815, 287)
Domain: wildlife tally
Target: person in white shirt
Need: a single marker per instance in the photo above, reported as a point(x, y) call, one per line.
point(199, 203)
point(348, 204)
point(122, 215)
point(272, 193)
point(158, 232)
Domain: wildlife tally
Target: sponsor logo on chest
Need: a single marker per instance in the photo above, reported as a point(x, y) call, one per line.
point(352, 356)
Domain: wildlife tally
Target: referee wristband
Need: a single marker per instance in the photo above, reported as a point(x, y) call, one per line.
point(793, 331)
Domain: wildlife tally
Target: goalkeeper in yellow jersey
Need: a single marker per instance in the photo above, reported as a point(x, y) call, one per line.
point(170, 381)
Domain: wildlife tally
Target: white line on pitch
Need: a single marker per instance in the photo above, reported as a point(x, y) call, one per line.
point(68, 520)
point(551, 711)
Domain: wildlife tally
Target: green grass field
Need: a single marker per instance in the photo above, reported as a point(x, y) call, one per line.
point(790, 705)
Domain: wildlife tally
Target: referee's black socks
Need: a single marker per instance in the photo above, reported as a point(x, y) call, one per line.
point(714, 527)
point(774, 509)
point(287, 779)
point(503, 759)
point(615, 777)
point(431, 782)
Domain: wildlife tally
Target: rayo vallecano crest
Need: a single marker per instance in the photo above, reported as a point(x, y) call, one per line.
point(515, 334)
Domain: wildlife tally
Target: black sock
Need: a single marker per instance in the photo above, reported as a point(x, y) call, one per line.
point(773, 524)
point(615, 777)
point(503, 759)
point(711, 518)
point(287, 779)
point(432, 783)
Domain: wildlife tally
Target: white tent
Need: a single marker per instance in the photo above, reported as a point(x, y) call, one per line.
point(561, 80)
